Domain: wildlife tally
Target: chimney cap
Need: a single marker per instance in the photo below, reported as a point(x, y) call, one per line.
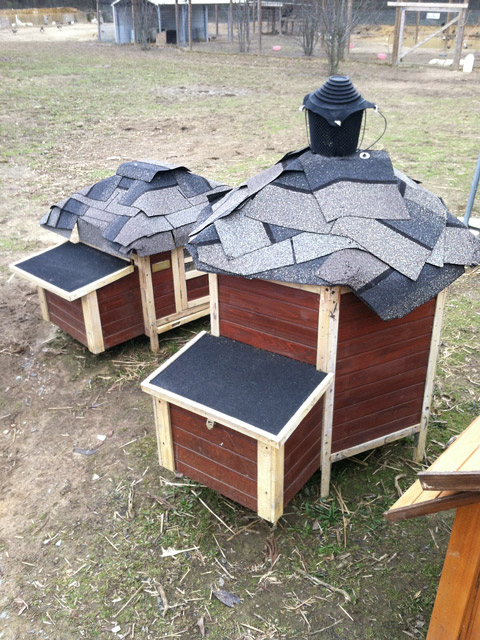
point(336, 99)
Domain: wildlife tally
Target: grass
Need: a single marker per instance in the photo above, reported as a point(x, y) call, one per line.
point(79, 110)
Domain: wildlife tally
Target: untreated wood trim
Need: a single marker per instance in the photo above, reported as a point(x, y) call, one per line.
point(42, 297)
point(198, 302)
point(161, 265)
point(313, 288)
point(214, 305)
point(270, 474)
point(148, 300)
point(372, 444)
point(163, 429)
point(305, 408)
point(93, 325)
point(328, 321)
point(326, 448)
point(194, 273)
point(179, 282)
point(177, 319)
point(421, 438)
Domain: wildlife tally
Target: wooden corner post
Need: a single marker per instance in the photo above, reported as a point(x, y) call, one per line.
point(327, 339)
point(421, 436)
point(214, 306)
point(148, 300)
point(270, 473)
point(93, 325)
point(163, 430)
point(42, 297)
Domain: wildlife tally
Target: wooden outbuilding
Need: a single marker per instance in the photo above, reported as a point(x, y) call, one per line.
point(452, 482)
point(126, 272)
point(334, 260)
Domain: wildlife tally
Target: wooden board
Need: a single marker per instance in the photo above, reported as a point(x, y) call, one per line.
point(456, 614)
point(458, 468)
point(419, 502)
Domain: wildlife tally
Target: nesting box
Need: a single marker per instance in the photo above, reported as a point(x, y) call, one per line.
point(339, 263)
point(127, 274)
point(103, 300)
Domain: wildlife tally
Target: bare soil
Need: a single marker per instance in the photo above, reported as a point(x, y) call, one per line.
point(65, 515)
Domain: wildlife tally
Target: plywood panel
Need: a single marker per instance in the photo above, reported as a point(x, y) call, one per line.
point(197, 287)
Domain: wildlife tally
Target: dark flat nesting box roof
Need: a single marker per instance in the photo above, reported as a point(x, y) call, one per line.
point(72, 266)
point(350, 221)
point(260, 388)
point(145, 208)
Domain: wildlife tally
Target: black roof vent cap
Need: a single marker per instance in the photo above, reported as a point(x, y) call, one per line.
point(336, 99)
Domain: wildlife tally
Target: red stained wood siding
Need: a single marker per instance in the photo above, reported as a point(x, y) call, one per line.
point(67, 315)
point(302, 453)
point(220, 458)
point(163, 286)
point(381, 369)
point(120, 306)
point(197, 288)
point(269, 316)
point(381, 366)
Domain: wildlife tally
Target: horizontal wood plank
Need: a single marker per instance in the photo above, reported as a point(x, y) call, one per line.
point(220, 435)
point(234, 493)
point(268, 342)
point(213, 469)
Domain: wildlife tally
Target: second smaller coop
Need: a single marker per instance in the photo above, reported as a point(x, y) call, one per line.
point(123, 271)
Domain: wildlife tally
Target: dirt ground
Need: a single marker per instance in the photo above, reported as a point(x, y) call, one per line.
point(64, 514)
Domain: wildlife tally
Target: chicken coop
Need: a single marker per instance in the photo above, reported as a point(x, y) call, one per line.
point(122, 271)
point(332, 260)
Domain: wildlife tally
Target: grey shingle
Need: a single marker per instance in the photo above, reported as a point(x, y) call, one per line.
point(364, 200)
point(396, 295)
point(321, 171)
point(141, 226)
point(436, 258)
point(277, 255)
point(352, 268)
point(240, 235)
point(103, 190)
point(424, 225)
point(144, 171)
point(185, 216)
point(258, 182)
point(427, 200)
point(289, 209)
point(461, 247)
point(158, 203)
point(153, 244)
point(308, 246)
point(387, 245)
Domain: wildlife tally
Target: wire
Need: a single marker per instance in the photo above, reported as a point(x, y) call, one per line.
point(383, 132)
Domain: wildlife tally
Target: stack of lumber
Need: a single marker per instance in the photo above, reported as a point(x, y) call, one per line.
point(453, 481)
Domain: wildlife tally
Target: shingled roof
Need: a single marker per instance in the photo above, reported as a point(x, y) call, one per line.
point(352, 221)
point(145, 208)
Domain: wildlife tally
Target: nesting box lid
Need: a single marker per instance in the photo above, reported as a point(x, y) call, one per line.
point(145, 208)
point(352, 221)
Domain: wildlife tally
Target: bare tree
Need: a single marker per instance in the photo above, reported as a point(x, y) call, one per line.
point(242, 24)
point(338, 20)
point(308, 17)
